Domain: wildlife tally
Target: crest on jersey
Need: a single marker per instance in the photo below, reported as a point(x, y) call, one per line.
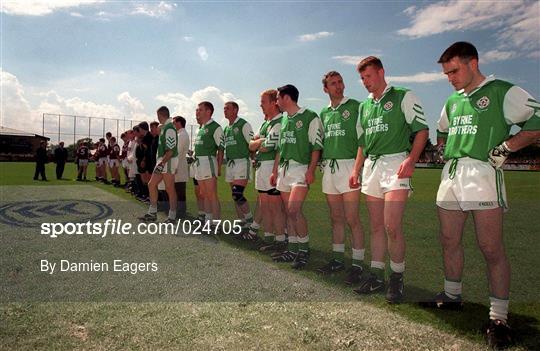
point(346, 114)
point(235, 130)
point(299, 124)
point(483, 102)
point(388, 106)
point(454, 108)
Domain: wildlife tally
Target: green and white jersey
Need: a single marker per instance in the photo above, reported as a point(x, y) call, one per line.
point(340, 130)
point(270, 131)
point(300, 135)
point(168, 139)
point(237, 137)
point(475, 123)
point(386, 124)
point(209, 139)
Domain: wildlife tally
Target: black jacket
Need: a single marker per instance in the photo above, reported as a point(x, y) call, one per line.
point(41, 155)
point(60, 155)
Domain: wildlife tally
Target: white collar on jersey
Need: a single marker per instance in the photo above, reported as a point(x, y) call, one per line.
point(236, 120)
point(300, 111)
point(388, 87)
point(488, 79)
point(209, 121)
point(278, 116)
point(343, 101)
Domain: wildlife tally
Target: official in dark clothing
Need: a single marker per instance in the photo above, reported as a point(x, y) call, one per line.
point(60, 157)
point(41, 160)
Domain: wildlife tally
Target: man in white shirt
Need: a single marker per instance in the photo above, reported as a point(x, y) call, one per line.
point(182, 172)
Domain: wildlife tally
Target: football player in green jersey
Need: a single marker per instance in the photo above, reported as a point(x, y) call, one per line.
point(387, 120)
point(265, 143)
point(300, 145)
point(339, 120)
point(165, 169)
point(475, 124)
point(208, 158)
point(237, 136)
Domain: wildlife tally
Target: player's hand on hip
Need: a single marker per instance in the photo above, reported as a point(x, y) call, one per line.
point(406, 169)
point(498, 155)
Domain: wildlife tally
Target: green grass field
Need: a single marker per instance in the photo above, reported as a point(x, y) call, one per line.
point(99, 321)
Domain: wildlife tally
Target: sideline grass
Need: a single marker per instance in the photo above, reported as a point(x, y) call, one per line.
point(424, 271)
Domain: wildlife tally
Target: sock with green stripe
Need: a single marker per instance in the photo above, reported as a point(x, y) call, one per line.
point(292, 246)
point(303, 243)
point(268, 237)
point(377, 268)
point(358, 257)
point(338, 252)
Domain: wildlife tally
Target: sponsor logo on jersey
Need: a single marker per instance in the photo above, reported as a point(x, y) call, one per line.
point(299, 124)
point(483, 102)
point(454, 108)
point(388, 106)
point(346, 114)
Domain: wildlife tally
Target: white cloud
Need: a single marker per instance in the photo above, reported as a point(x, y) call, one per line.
point(132, 107)
point(534, 55)
point(15, 110)
point(421, 77)
point(353, 60)
point(314, 36)
point(54, 103)
point(188, 38)
point(101, 72)
point(350, 60)
point(203, 54)
point(515, 24)
point(184, 105)
point(160, 9)
point(75, 14)
point(41, 7)
point(496, 55)
point(18, 113)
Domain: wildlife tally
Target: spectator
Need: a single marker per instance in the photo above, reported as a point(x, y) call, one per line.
point(60, 157)
point(41, 160)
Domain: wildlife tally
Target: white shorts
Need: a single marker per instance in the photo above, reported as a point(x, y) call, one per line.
point(379, 176)
point(102, 161)
point(262, 176)
point(125, 164)
point(475, 185)
point(337, 181)
point(294, 175)
point(238, 169)
point(83, 162)
point(169, 167)
point(114, 162)
point(205, 167)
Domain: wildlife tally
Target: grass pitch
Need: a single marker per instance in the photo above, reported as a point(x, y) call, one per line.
point(223, 296)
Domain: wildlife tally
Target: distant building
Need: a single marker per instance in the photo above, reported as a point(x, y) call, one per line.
point(18, 145)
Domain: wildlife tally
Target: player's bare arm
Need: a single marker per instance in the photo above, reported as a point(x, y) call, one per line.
point(220, 154)
point(354, 181)
point(406, 169)
point(273, 176)
point(310, 173)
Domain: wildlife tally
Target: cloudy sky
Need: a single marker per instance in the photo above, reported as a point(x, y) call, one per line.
point(123, 59)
